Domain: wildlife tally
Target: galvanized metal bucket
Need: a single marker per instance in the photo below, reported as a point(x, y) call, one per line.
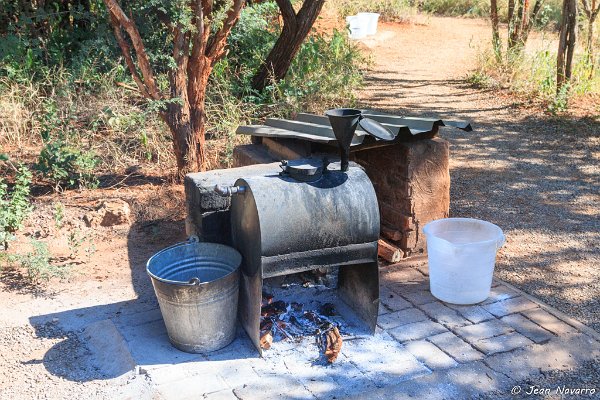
point(197, 287)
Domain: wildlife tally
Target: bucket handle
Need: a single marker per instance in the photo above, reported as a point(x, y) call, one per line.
point(190, 239)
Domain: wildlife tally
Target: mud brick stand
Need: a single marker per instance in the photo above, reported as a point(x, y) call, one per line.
point(411, 175)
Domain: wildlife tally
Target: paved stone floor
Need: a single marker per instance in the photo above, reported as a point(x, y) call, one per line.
point(423, 348)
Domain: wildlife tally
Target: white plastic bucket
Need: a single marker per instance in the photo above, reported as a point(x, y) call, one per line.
point(357, 27)
point(462, 254)
point(369, 20)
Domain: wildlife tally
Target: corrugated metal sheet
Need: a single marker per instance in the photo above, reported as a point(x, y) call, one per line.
point(316, 128)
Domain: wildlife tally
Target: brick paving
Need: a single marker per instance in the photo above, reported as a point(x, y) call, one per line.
point(423, 348)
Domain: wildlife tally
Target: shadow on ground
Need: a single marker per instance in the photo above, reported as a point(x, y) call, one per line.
point(135, 318)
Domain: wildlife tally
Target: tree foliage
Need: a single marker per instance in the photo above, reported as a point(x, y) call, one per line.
point(197, 31)
point(296, 26)
point(14, 206)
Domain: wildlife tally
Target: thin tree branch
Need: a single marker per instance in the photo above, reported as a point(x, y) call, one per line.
point(287, 11)
point(119, 17)
point(215, 49)
point(586, 8)
point(128, 59)
point(536, 9)
point(198, 37)
point(525, 19)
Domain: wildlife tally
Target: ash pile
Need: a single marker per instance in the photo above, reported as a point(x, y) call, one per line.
point(304, 312)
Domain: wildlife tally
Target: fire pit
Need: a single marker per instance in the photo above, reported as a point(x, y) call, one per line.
point(311, 215)
point(307, 212)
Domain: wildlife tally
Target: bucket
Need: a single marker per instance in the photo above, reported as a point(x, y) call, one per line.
point(370, 20)
point(462, 253)
point(357, 27)
point(197, 288)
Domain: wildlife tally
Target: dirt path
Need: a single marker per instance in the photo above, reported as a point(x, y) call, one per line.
point(536, 177)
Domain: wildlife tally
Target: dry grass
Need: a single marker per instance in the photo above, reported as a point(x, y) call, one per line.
point(18, 107)
point(112, 121)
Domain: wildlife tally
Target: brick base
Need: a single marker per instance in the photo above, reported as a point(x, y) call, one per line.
point(412, 182)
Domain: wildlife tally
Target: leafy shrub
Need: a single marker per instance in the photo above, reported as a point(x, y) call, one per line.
point(59, 215)
point(325, 72)
point(77, 241)
point(88, 95)
point(61, 160)
point(533, 75)
point(66, 166)
point(14, 206)
point(38, 263)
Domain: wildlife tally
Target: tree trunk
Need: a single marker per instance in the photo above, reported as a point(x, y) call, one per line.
point(514, 24)
point(566, 43)
point(295, 29)
point(534, 14)
point(496, 42)
point(525, 16)
point(572, 40)
point(589, 42)
point(195, 53)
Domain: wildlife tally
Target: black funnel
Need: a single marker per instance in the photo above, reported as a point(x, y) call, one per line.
point(344, 122)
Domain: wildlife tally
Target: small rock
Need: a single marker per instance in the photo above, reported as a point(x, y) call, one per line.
point(116, 212)
point(110, 212)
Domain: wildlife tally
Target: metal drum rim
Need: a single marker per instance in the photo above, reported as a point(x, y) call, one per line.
point(233, 251)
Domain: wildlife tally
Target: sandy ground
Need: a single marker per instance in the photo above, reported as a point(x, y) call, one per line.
point(534, 176)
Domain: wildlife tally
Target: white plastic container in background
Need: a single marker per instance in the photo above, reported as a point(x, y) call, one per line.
point(369, 20)
point(357, 27)
point(462, 254)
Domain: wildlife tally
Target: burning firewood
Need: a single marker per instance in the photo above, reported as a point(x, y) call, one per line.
point(289, 321)
point(334, 344)
point(266, 339)
point(275, 308)
point(266, 325)
point(312, 316)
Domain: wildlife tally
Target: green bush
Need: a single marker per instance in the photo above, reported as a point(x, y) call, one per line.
point(326, 69)
point(62, 161)
point(66, 166)
point(324, 73)
point(533, 76)
point(14, 206)
point(38, 263)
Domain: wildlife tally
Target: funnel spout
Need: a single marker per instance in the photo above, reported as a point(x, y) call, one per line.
point(344, 122)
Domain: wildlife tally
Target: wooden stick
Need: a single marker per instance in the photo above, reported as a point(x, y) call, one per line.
point(390, 233)
point(126, 86)
point(388, 251)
